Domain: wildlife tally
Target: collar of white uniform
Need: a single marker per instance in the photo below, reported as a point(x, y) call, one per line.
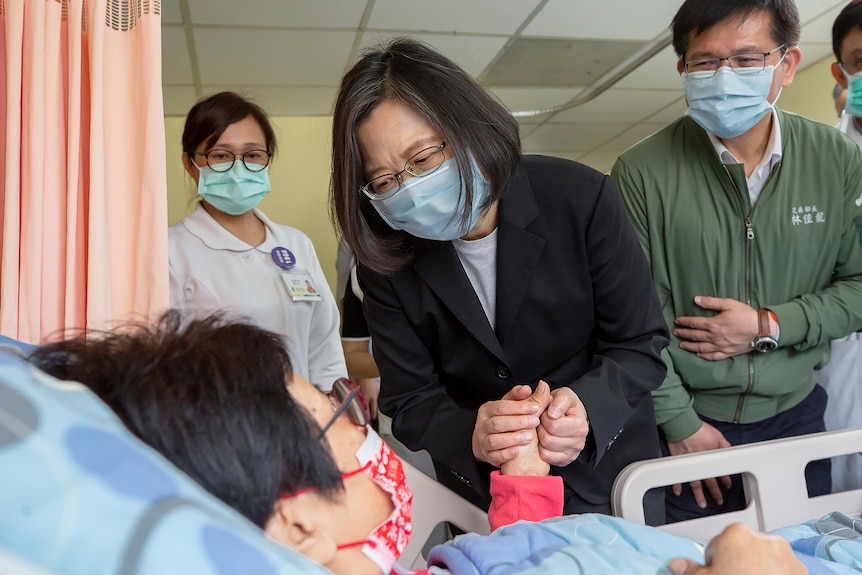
point(211, 233)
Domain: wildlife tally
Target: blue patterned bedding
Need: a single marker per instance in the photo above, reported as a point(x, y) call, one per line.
point(80, 495)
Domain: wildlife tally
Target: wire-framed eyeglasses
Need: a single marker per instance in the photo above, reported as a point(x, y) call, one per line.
point(420, 164)
point(346, 397)
point(748, 63)
point(220, 160)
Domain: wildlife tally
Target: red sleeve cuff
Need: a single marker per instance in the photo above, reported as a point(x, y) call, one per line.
point(528, 498)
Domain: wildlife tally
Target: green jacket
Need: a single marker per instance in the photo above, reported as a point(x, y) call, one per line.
point(798, 252)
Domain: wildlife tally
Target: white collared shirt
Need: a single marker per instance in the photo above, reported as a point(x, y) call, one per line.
point(211, 269)
point(771, 157)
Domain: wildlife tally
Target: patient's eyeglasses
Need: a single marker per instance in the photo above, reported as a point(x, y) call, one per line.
point(346, 397)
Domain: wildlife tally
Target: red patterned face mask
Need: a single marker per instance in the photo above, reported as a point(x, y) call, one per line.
point(385, 544)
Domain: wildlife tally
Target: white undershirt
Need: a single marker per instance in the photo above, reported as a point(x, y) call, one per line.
point(479, 259)
point(771, 157)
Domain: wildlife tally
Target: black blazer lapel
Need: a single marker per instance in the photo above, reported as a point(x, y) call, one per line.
point(518, 251)
point(441, 269)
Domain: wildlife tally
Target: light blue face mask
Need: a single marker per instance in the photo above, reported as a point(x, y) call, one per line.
point(728, 104)
point(235, 191)
point(432, 206)
point(854, 93)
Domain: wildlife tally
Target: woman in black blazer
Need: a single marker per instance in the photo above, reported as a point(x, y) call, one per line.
point(484, 269)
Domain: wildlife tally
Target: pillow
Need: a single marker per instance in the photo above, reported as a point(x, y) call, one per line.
point(79, 494)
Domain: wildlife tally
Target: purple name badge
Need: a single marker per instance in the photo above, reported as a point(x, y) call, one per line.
point(283, 257)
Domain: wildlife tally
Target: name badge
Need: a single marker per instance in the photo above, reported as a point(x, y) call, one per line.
point(300, 285)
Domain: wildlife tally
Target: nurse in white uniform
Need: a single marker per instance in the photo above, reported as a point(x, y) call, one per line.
point(228, 256)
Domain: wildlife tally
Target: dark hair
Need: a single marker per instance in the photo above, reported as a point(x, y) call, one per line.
point(849, 18)
point(211, 116)
point(211, 397)
point(696, 16)
point(469, 118)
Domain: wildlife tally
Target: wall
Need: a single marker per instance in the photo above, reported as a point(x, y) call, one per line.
point(299, 176)
point(810, 95)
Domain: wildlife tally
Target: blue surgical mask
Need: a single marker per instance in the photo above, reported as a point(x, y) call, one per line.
point(235, 191)
point(432, 206)
point(854, 93)
point(728, 104)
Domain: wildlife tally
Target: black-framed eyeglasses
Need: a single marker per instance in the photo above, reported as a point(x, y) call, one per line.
point(748, 63)
point(220, 160)
point(346, 397)
point(420, 164)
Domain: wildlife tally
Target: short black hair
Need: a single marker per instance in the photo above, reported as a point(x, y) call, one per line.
point(696, 16)
point(470, 119)
point(210, 117)
point(849, 18)
point(211, 396)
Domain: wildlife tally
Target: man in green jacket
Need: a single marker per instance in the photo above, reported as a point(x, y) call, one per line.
point(752, 221)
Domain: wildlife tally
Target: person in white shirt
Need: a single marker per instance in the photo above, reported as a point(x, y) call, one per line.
point(842, 376)
point(227, 255)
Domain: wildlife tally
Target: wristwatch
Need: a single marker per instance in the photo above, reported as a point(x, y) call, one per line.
point(765, 341)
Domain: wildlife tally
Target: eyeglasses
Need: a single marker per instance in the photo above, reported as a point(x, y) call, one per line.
point(749, 63)
point(222, 160)
point(346, 397)
point(420, 164)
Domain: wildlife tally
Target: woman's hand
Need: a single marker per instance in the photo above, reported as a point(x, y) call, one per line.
point(503, 426)
point(528, 461)
point(564, 428)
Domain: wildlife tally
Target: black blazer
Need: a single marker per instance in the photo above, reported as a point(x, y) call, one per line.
point(575, 306)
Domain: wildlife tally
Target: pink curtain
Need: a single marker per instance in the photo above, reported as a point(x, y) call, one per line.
point(83, 205)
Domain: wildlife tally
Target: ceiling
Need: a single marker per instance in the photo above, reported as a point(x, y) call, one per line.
point(612, 55)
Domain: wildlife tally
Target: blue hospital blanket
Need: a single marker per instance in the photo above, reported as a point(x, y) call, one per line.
point(602, 545)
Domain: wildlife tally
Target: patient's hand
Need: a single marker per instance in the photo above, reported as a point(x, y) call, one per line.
point(739, 550)
point(528, 461)
point(704, 439)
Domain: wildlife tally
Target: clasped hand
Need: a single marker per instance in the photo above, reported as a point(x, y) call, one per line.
point(554, 421)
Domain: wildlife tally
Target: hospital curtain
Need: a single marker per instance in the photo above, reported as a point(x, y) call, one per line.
point(83, 205)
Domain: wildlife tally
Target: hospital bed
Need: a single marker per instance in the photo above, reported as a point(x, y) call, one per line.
point(772, 472)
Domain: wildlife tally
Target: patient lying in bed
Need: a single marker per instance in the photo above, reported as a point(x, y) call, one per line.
point(587, 544)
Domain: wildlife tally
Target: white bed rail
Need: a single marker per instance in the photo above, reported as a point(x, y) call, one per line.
point(773, 473)
point(433, 504)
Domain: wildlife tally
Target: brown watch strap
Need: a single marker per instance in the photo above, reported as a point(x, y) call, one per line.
point(763, 323)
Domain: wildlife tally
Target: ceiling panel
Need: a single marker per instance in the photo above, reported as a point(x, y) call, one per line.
point(670, 113)
point(473, 53)
point(657, 73)
point(536, 98)
point(286, 100)
point(176, 65)
point(558, 62)
point(271, 57)
point(476, 16)
point(812, 9)
point(617, 19)
point(813, 53)
point(819, 30)
point(573, 137)
point(278, 13)
point(618, 105)
point(632, 136)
